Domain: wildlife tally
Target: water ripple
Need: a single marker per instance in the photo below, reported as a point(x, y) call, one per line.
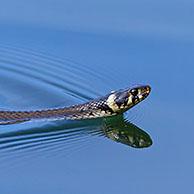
point(24, 73)
point(62, 75)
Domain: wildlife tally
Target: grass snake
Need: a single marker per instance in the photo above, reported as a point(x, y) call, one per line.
point(112, 104)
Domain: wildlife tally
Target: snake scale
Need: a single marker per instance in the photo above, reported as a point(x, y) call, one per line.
point(112, 104)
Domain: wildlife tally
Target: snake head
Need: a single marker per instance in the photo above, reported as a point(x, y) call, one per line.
point(123, 100)
point(137, 94)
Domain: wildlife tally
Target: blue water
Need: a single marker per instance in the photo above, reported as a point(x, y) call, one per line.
point(59, 53)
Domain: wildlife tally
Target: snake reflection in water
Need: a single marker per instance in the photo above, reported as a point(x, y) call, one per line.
point(110, 107)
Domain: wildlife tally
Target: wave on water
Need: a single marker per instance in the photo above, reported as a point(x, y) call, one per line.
point(34, 80)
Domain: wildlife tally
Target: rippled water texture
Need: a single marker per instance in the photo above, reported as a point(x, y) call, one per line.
point(44, 68)
point(32, 80)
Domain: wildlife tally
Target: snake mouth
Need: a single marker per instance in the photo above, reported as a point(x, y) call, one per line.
point(146, 91)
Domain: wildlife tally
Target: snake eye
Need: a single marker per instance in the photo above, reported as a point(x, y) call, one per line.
point(134, 92)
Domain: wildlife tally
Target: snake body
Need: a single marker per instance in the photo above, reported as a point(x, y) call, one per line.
point(112, 104)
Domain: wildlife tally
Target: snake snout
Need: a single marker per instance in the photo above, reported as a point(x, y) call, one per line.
point(146, 91)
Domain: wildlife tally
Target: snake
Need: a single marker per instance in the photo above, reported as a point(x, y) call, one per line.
point(114, 103)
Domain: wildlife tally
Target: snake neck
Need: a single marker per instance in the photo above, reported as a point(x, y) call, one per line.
point(92, 109)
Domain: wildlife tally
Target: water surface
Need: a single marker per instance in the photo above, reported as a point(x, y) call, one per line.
point(46, 67)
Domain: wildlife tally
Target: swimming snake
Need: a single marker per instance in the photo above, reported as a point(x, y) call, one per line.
point(112, 104)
